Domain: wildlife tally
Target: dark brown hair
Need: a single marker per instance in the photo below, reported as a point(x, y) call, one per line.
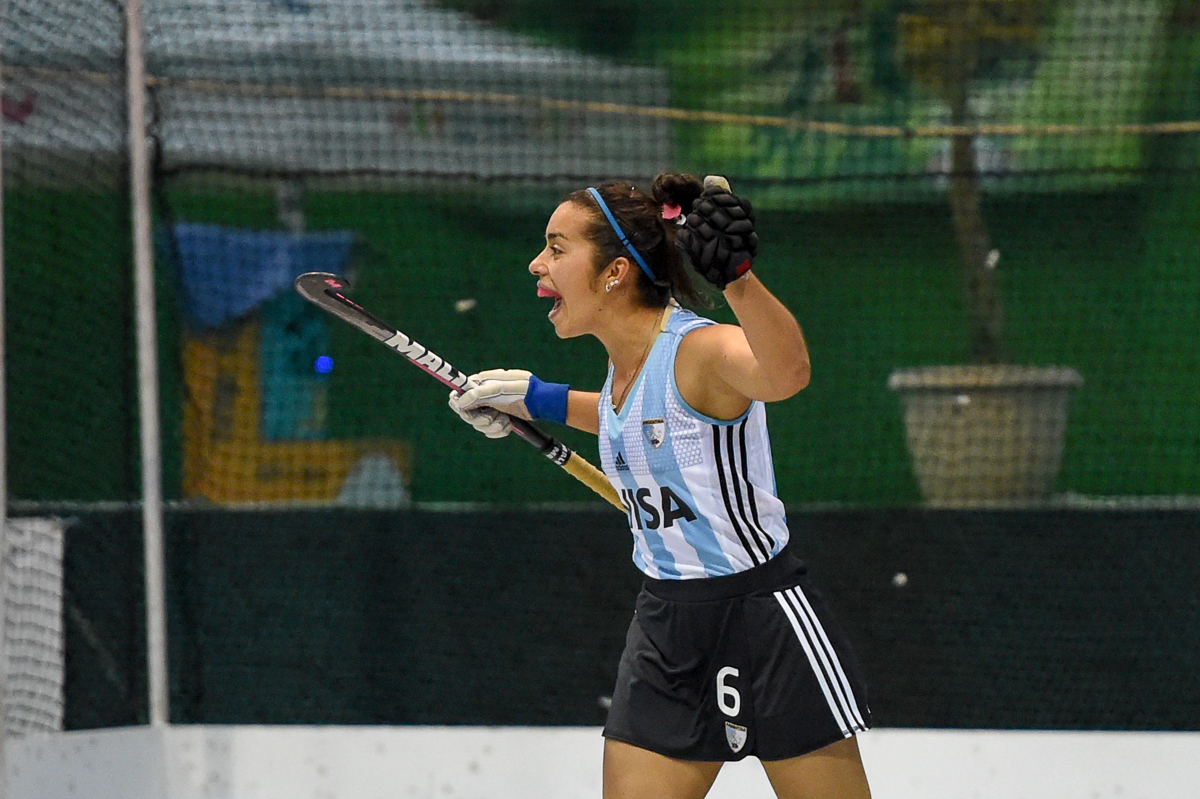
point(640, 216)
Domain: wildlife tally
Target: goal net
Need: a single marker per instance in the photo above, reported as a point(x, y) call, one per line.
point(32, 601)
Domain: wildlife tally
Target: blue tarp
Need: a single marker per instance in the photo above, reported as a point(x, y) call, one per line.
point(228, 272)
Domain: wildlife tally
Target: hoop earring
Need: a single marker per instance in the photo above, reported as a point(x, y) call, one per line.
point(611, 284)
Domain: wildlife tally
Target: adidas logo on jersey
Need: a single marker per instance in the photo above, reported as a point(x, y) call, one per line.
point(620, 463)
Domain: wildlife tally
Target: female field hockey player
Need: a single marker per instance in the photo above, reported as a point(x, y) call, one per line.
point(731, 652)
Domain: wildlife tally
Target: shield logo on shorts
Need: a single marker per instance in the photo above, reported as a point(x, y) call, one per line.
point(655, 431)
point(736, 735)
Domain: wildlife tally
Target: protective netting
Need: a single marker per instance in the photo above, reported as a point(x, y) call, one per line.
point(983, 212)
point(939, 183)
point(70, 346)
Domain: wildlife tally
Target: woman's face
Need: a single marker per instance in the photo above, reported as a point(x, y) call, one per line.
point(566, 272)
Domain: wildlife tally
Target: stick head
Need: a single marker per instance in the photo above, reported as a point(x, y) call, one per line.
point(312, 284)
point(716, 182)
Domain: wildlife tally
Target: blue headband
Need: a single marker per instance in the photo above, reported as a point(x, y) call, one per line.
point(612, 220)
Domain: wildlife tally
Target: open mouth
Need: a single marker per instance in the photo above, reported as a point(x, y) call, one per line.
point(542, 291)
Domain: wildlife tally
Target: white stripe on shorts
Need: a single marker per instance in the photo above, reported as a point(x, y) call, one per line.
point(823, 660)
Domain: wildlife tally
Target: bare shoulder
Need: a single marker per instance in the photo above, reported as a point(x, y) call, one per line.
point(701, 360)
point(706, 344)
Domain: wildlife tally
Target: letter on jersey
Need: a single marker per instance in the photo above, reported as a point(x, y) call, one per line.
point(674, 508)
point(643, 499)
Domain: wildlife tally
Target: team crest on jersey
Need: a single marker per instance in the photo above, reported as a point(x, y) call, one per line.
point(735, 734)
point(655, 431)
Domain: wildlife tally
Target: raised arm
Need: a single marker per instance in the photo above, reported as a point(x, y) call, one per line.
point(721, 368)
point(765, 358)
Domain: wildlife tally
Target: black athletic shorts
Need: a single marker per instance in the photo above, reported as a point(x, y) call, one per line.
point(726, 667)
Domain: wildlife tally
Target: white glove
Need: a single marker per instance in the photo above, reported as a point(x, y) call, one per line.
point(489, 421)
point(502, 389)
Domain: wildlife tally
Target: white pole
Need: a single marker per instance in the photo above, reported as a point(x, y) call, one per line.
point(3, 470)
point(147, 357)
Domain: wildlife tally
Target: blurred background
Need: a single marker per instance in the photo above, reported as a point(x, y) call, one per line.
point(984, 213)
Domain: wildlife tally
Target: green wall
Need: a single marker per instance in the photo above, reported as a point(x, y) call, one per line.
point(1105, 283)
point(70, 360)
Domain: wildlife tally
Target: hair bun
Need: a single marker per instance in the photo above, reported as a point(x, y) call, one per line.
point(683, 190)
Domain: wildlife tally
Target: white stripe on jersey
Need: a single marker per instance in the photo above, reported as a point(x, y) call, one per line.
point(666, 561)
point(737, 492)
point(823, 659)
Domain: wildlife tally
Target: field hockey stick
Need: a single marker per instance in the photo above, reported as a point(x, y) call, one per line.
point(325, 290)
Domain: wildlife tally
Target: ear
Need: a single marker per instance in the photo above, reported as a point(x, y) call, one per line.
point(618, 268)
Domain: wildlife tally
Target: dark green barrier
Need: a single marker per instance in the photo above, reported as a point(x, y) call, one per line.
point(1059, 620)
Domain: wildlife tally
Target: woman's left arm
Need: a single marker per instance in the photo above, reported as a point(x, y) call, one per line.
point(777, 364)
point(764, 357)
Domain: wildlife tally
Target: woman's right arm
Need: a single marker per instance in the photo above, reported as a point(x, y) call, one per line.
point(583, 411)
point(509, 391)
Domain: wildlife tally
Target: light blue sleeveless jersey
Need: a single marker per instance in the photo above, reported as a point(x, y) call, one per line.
point(699, 492)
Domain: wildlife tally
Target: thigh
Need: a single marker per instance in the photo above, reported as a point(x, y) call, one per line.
point(832, 772)
point(631, 772)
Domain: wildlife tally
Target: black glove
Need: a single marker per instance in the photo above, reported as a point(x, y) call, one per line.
point(719, 236)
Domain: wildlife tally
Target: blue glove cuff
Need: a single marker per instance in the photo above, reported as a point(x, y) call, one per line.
point(547, 400)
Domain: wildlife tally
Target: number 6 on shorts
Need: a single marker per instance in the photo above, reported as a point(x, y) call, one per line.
point(728, 698)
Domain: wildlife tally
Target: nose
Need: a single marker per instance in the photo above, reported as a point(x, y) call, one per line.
point(536, 267)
